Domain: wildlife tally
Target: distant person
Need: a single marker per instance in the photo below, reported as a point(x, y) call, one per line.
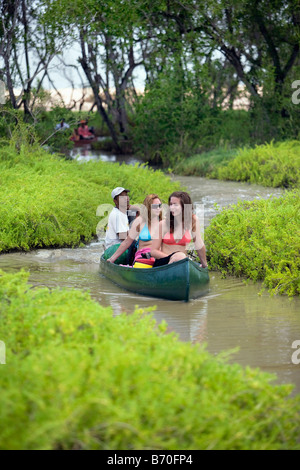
point(118, 222)
point(62, 125)
point(92, 130)
point(84, 132)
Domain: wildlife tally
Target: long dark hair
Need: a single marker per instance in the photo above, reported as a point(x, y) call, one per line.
point(187, 219)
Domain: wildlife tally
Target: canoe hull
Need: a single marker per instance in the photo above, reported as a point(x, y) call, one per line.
point(183, 280)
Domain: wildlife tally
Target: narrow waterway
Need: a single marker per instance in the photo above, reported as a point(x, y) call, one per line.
point(232, 316)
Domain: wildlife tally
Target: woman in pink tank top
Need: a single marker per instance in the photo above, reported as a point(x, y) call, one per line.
point(176, 232)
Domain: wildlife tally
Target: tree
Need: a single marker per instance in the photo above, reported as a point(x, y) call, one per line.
point(27, 48)
point(110, 53)
point(258, 38)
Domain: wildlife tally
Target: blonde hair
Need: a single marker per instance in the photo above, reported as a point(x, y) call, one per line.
point(146, 209)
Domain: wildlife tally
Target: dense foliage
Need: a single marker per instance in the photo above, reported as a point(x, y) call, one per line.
point(205, 163)
point(259, 240)
point(77, 378)
point(198, 60)
point(175, 120)
point(59, 199)
point(275, 165)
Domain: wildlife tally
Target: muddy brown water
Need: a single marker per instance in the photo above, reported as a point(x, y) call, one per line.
point(232, 315)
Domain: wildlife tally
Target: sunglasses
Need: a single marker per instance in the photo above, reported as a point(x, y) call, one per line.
point(156, 206)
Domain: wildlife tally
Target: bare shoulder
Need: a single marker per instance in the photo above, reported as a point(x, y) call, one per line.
point(137, 223)
point(163, 224)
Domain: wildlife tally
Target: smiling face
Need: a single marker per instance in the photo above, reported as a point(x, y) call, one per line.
point(175, 206)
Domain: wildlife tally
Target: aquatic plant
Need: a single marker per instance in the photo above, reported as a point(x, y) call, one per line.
point(46, 200)
point(76, 377)
point(259, 240)
point(273, 164)
point(205, 163)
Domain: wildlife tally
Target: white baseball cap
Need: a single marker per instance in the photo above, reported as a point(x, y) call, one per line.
point(115, 192)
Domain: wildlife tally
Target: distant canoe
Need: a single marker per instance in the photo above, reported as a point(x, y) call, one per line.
point(82, 142)
point(183, 280)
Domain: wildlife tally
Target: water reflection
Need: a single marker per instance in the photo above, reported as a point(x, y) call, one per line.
point(86, 153)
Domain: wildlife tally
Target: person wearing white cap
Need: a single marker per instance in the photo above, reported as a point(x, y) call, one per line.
point(118, 223)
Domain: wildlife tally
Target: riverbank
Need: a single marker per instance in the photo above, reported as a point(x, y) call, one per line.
point(60, 345)
point(274, 165)
point(55, 337)
point(259, 240)
point(58, 201)
point(58, 208)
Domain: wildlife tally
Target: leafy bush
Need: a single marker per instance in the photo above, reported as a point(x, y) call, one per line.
point(175, 120)
point(275, 165)
point(58, 202)
point(78, 378)
point(259, 240)
point(205, 163)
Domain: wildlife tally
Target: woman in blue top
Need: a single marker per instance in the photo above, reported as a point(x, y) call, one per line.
point(144, 228)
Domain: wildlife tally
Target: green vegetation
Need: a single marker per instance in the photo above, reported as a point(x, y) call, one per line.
point(77, 378)
point(259, 240)
point(12, 123)
point(216, 73)
point(182, 122)
point(205, 163)
point(59, 198)
point(274, 164)
point(115, 390)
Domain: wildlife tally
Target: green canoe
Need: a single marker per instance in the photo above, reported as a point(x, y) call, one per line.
point(183, 280)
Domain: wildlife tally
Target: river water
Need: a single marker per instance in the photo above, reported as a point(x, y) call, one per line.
point(232, 316)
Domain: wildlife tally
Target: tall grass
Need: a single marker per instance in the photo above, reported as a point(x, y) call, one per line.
point(78, 378)
point(204, 164)
point(273, 164)
point(259, 240)
point(48, 201)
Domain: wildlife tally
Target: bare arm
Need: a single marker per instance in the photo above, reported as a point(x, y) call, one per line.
point(123, 247)
point(135, 207)
point(199, 244)
point(157, 241)
point(122, 235)
point(133, 232)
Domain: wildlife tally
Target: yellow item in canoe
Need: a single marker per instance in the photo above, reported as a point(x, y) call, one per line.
point(141, 265)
